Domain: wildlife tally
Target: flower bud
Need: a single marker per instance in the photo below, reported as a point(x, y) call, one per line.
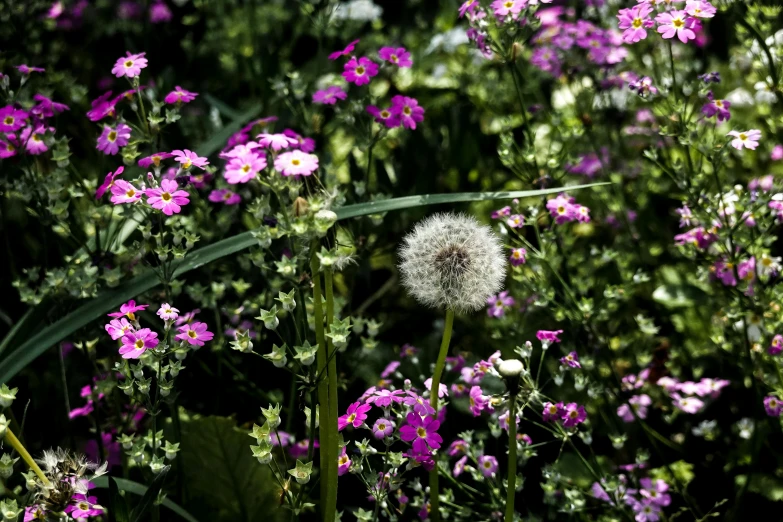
point(510, 370)
point(300, 206)
point(7, 395)
point(324, 219)
point(7, 465)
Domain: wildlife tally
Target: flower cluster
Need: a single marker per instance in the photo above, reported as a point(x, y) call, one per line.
point(685, 24)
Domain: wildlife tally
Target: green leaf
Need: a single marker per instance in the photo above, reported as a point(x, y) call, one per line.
point(109, 300)
point(149, 497)
point(224, 480)
point(220, 138)
point(118, 507)
point(679, 296)
point(139, 489)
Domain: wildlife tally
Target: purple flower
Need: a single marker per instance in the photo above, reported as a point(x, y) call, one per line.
point(773, 405)
point(384, 116)
point(639, 403)
point(83, 411)
point(134, 344)
point(443, 390)
point(655, 492)
point(345, 52)
point(159, 12)
point(572, 360)
point(112, 138)
point(47, 108)
point(383, 428)
point(459, 466)
point(187, 158)
point(385, 398)
point(518, 256)
point(84, 507)
point(498, 303)
point(180, 95)
point(549, 336)
point(422, 431)
point(304, 144)
point(390, 369)
point(776, 346)
point(359, 71)
point(516, 221)
point(108, 181)
point(573, 414)
point(407, 110)
point(329, 96)
point(396, 56)
point(645, 512)
point(458, 447)
point(687, 404)
point(718, 108)
point(343, 463)
point(552, 412)
point(488, 465)
point(225, 196)
point(355, 416)
point(421, 405)
point(478, 401)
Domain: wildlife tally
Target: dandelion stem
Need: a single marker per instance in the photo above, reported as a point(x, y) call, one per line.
point(512, 457)
point(444, 350)
point(14, 442)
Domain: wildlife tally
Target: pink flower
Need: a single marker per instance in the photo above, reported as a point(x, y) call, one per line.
point(187, 158)
point(572, 360)
point(384, 116)
point(639, 403)
point(552, 411)
point(675, 23)
point(7, 147)
point(397, 56)
point(33, 140)
point(245, 167)
point(167, 312)
point(382, 428)
point(477, 400)
point(773, 405)
point(573, 414)
point(443, 390)
point(498, 303)
point(516, 221)
point(180, 95)
point(345, 52)
point(224, 196)
point(719, 108)
point(112, 138)
point(102, 106)
point(83, 411)
point(123, 192)
point(117, 328)
point(745, 139)
point(468, 7)
point(167, 198)
point(26, 69)
point(128, 309)
point(47, 108)
point(777, 153)
point(421, 405)
point(503, 8)
point(304, 144)
point(488, 465)
point(359, 71)
point(343, 463)
point(154, 159)
point(687, 404)
point(385, 398)
point(159, 12)
point(195, 334)
point(84, 507)
point(275, 141)
point(355, 416)
point(635, 22)
point(296, 163)
point(518, 256)
point(422, 431)
point(130, 66)
point(134, 344)
point(329, 96)
point(700, 9)
point(407, 110)
point(11, 119)
point(549, 336)
point(501, 212)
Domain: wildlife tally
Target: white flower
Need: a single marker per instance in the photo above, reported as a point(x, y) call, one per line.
point(361, 10)
point(451, 261)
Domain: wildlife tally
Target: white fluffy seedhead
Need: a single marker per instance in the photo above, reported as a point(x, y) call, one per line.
point(452, 261)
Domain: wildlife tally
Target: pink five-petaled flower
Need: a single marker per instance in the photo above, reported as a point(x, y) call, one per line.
point(304, 144)
point(343, 463)
point(33, 139)
point(102, 106)
point(687, 404)
point(345, 52)
point(245, 167)
point(124, 192)
point(421, 405)
point(167, 198)
point(187, 158)
point(108, 181)
point(675, 23)
point(128, 309)
point(407, 110)
point(700, 9)
point(167, 312)
point(117, 328)
point(359, 71)
point(478, 401)
point(384, 116)
point(518, 256)
point(355, 416)
point(329, 96)
point(573, 414)
point(180, 95)
point(12, 119)
point(773, 405)
point(194, 333)
point(498, 303)
point(552, 411)
point(422, 431)
point(134, 344)
point(84, 507)
point(468, 6)
point(516, 221)
point(26, 69)
point(776, 346)
point(154, 159)
point(397, 56)
point(719, 108)
point(130, 66)
point(488, 465)
point(503, 8)
point(548, 336)
point(382, 428)
point(225, 196)
point(112, 138)
point(275, 141)
point(635, 22)
point(85, 410)
point(296, 163)
point(572, 360)
point(747, 139)
point(385, 398)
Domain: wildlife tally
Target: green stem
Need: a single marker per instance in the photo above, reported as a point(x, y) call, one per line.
point(323, 391)
point(441, 362)
point(512, 458)
point(331, 490)
point(14, 442)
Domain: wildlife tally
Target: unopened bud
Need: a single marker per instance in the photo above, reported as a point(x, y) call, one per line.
point(300, 206)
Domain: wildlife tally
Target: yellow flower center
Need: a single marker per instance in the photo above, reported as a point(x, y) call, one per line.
point(637, 23)
point(508, 5)
point(407, 111)
point(112, 136)
point(382, 427)
point(385, 114)
point(360, 70)
point(394, 58)
point(165, 196)
point(130, 193)
point(187, 164)
point(128, 63)
point(421, 432)
point(9, 120)
point(351, 417)
point(156, 160)
point(678, 23)
point(295, 162)
point(192, 334)
point(139, 344)
point(246, 169)
point(743, 136)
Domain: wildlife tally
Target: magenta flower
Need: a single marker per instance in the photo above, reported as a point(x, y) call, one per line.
point(719, 108)
point(384, 116)
point(459, 466)
point(345, 52)
point(355, 416)
point(516, 221)
point(245, 167)
point(408, 350)
point(478, 401)
point(128, 309)
point(359, 71)
point(108, 181)
point(187, 158)
point(329, 96)
point(154, 159)
point(421, 405)
point(503, 8)
point(195, 334)
point(83, 411)
point(639, 403)
point(167, 312)
point(12, 119)
point(84, 507)
point(33, 140)
point(549, 336)
point(296, 163)
point(225, 196)
point(645, 511)
point(498, 303)
point(389, 370)
point(573, 414)
point(443, 390)
point(777, 153)
point(655, 492)
point(8, 147)
point(180, 95)
point(123, 192)
point(275, 141)
point(397, 56)
point(773, 405)
point(776, 346)
point(304, 144)
point(407, 110)
point(635, 22)
point(385, 398)
point(552, 411)
point(687, 404)
point(26, 69)
point(501, 212)
point(167, 198)
point(518, 256)
point(422, 431)
point(382, 428)
point(488, 465)
point(343, 463)
point(130, 66)
point(159, 12)
point(700, 9)
point(468, 7)
point(572, 360)
point(102, 107)
point(746, 139)
point(134, 344)
point(675, 23)
point(112, 138)
point(458, 447)
point(118, 328)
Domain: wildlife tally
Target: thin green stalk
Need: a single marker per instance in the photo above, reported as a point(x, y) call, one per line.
point(331, 490)
point(14, 442)
point(512, 458)
point(441, 362)
point(323, 391)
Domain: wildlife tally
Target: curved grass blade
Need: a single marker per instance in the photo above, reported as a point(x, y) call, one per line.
point(107, 301)
point(141, 490)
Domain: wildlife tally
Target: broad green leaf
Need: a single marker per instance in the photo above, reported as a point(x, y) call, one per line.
point(118, 506)
point(130, 486)
point(224, 481)
point(109, 300)
point(679, 296)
